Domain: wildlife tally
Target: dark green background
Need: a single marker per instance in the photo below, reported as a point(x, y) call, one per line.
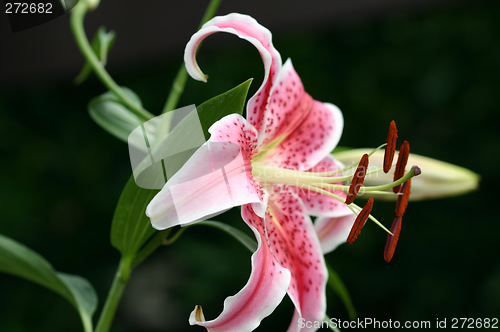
point(437, 74)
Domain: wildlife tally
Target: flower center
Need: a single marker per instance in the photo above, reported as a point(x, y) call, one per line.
point(328, 182)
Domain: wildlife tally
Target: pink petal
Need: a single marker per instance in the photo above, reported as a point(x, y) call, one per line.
point(246, 28)
point(216, 178)
point(311, 141)
point(294, 244)
point(235, 129)
point(322, 205)
point(263, 292)
point(332, 232)
point(288, 105)
point(296, 324)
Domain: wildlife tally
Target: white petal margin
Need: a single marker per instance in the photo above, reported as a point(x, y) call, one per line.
point(332, 232)
point(212, 181)
point(265, 289)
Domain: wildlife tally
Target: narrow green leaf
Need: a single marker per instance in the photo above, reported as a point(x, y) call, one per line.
point(106, 41)
point(107, 111)
point(337, 285)
point(19, 260)
point(101, 44)
point(232, 101)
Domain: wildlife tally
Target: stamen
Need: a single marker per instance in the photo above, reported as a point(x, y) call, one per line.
point(403, 199)
point(357, 179)
point(404, 152)
point(390, 148)
point(360, 222)
point(390, 245)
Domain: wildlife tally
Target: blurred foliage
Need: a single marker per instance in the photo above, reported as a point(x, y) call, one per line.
point(435, 73)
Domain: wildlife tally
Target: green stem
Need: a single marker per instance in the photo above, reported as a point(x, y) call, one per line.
point(77, 16)
point(114, 296)
point(182, 74)
point(176, 90)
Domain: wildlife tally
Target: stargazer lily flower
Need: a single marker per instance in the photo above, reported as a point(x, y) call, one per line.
point(276, 164)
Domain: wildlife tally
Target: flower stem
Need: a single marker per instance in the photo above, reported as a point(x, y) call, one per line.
point(182, 74)
point(77, 16)
point(115, 293)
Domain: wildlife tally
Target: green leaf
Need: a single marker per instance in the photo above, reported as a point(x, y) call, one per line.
point(131, 228)
point(19, 260)
point(107, 111)
point(232, 101)
point(101, 44)
point(337, 285)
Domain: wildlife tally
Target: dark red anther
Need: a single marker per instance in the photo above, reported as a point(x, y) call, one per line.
point(392, 241)
point(360, 221)
point(404, 152)
point(357, 179)
point(403, 199)
point(390, 148)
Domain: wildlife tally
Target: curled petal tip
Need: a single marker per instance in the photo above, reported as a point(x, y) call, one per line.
point(416, 170)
